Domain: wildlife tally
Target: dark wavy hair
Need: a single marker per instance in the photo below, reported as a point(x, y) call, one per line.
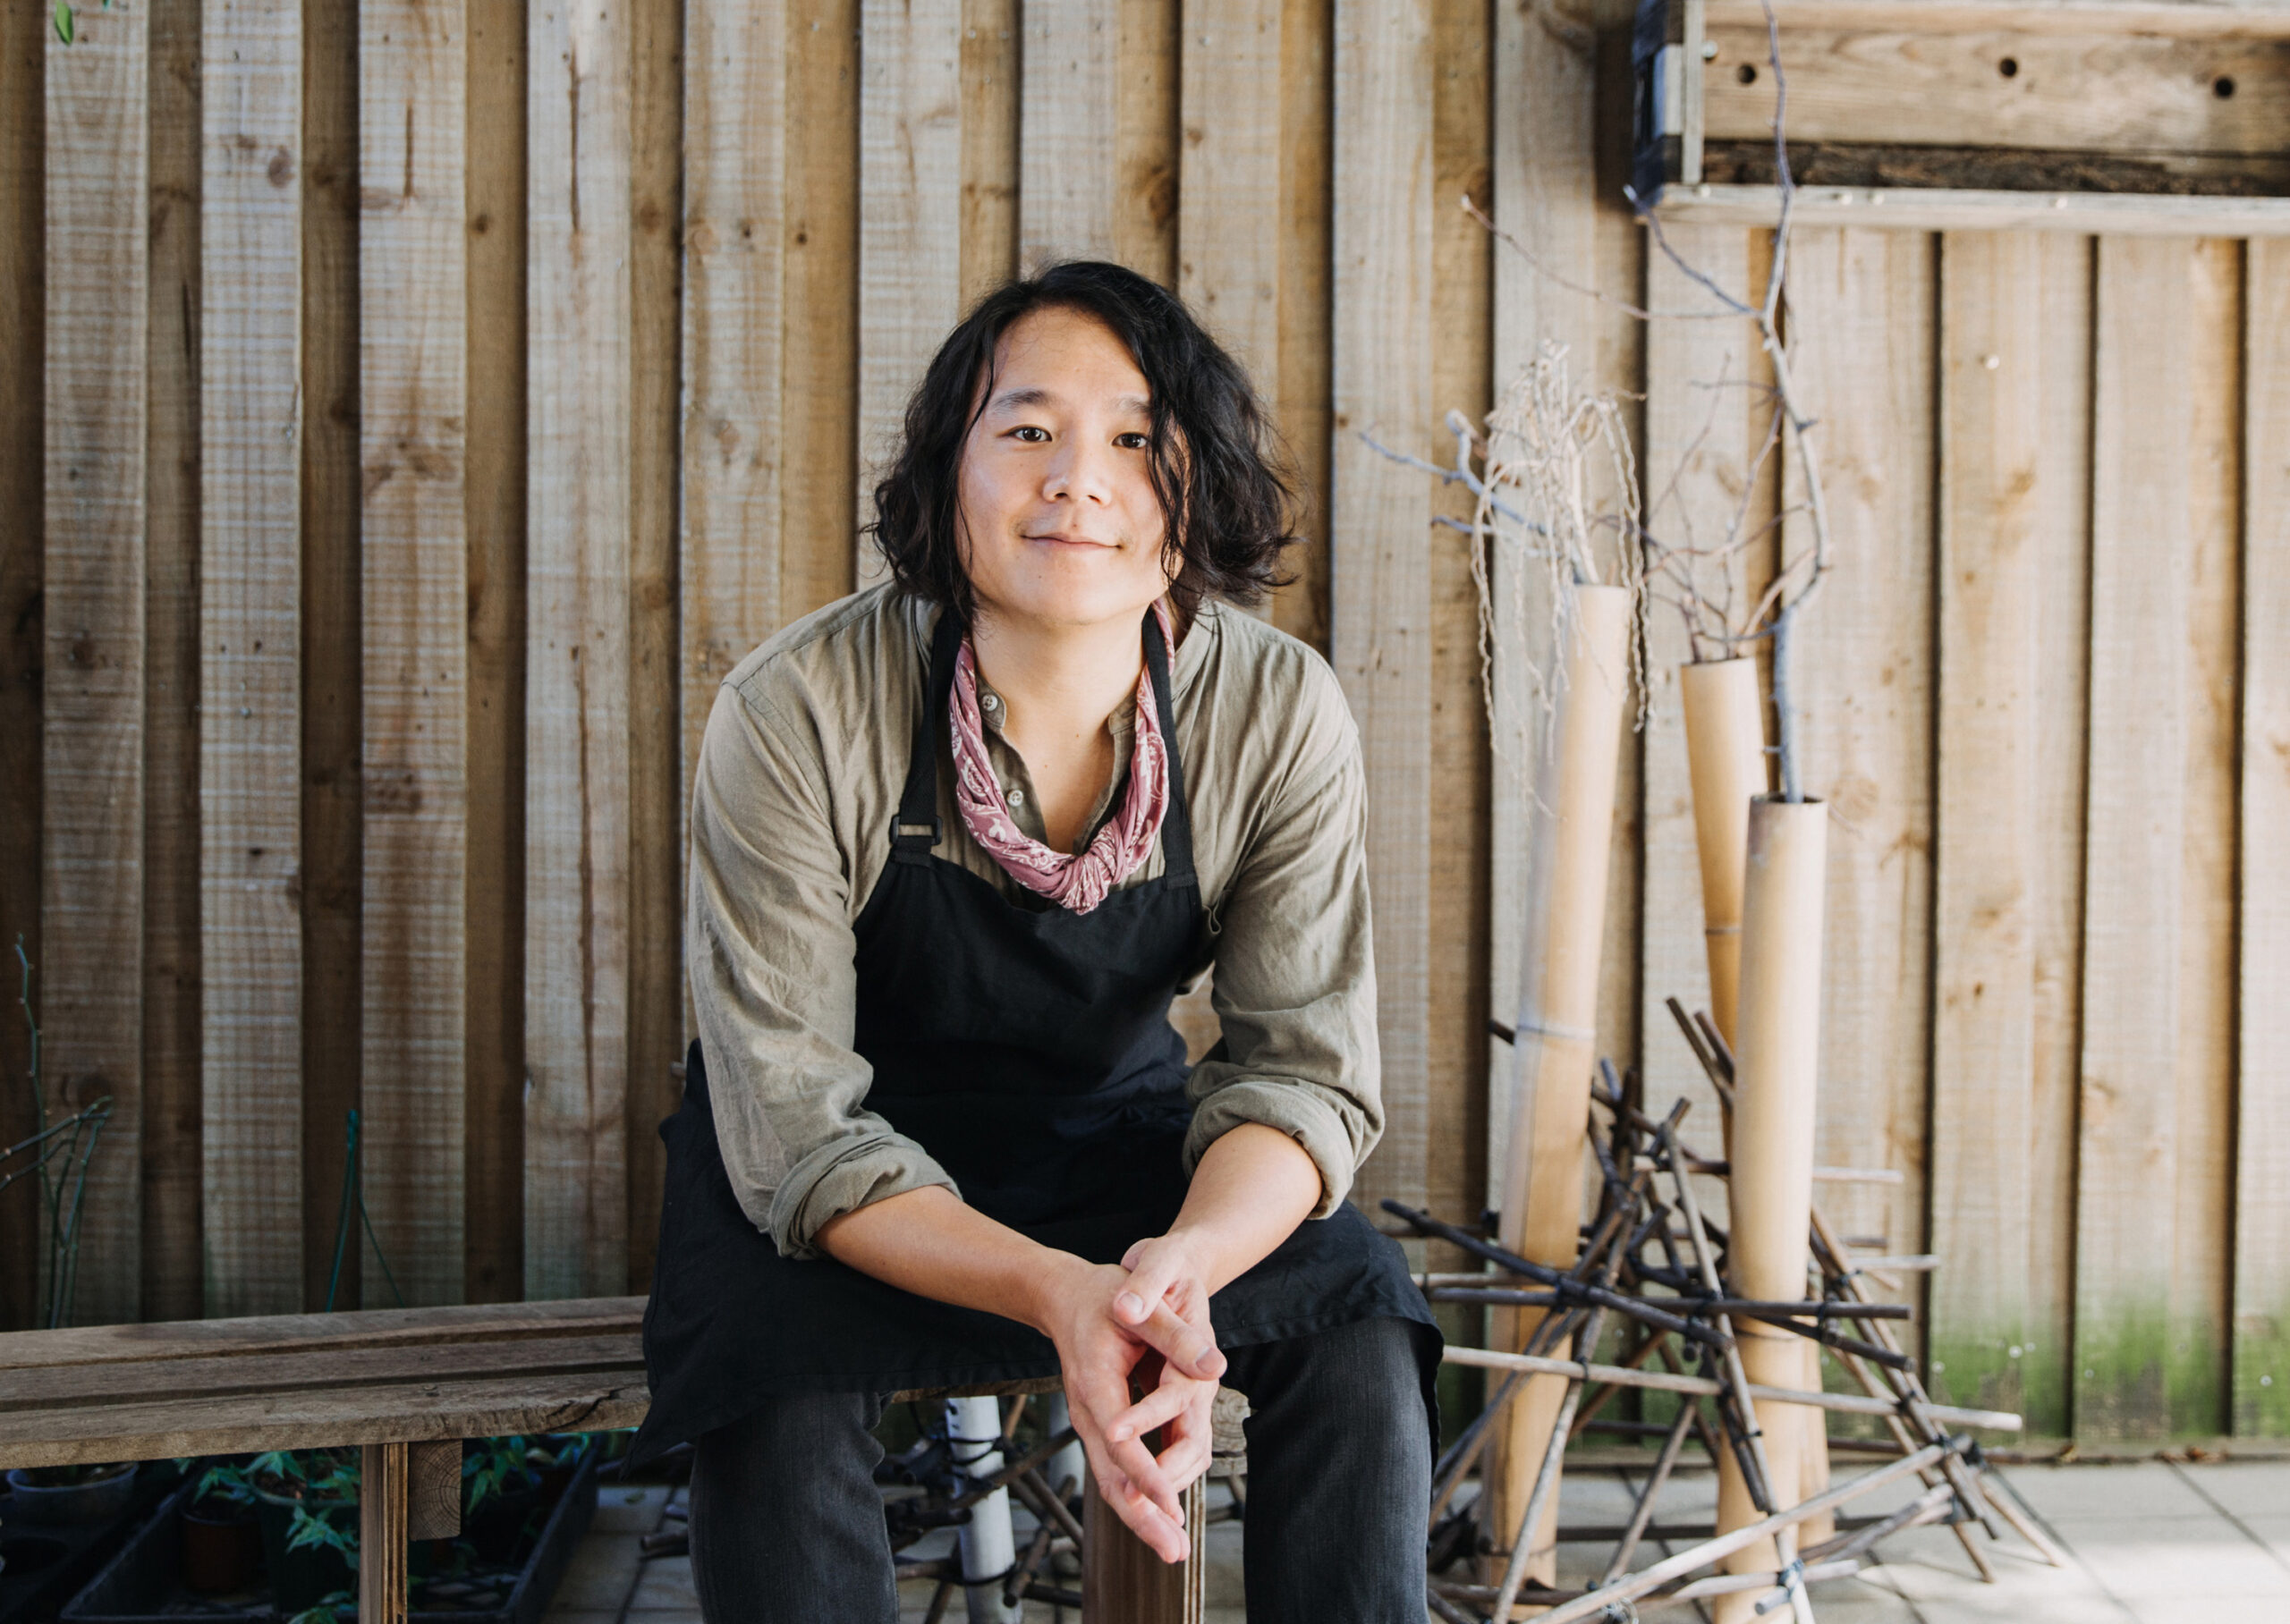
point(1216, 462)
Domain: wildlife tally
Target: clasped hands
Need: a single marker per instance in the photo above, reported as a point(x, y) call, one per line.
point(1144, 1321)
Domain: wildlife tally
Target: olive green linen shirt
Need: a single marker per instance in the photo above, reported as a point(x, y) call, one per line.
point(797, 787)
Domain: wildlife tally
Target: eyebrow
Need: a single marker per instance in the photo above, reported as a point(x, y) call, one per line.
point(1029, 395)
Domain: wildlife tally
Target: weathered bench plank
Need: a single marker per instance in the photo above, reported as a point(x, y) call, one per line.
point(270, 1335)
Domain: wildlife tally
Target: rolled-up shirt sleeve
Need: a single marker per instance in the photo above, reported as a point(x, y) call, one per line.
point(1294, 981)
point(770, 949)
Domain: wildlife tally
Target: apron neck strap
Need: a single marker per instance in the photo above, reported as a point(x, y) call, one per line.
point(918, 827)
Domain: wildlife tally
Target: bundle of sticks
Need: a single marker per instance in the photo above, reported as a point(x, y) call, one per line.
point(1653, 1262)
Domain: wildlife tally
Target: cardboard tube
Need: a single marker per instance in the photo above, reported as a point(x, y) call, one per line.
point(1571, 830)
point(1725, 749)
point(1776, 1065)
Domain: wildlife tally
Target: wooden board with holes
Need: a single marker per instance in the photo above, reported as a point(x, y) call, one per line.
point(1863, 691)
point(1380, 630)
point(89, 984)
point(2138, 81)
point(577, 670)
point(2152, 1207)
point(414, 407)
point(250, 761)
point(2016, 382)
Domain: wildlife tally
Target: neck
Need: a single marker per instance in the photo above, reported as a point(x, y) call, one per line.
point(1059, 681)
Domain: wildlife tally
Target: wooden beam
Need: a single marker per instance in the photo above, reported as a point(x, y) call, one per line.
point(384, 1486)
point(1862, 306)
point(2262, 1354)
point(89, 990)
point(492, 926)
point(910, 220)
point(2014, 398)
point(1940, 209)
point(413, 407)
point(333, 810)
point(1380, 635)
point(172, 1287)
point(577, 672)
point(2152, 1181)
point(1990, 79)
point(250, 766)
point(23, 479)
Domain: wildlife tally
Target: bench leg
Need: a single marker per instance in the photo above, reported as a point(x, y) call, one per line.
point(1123, 1582)
point(382, 1521)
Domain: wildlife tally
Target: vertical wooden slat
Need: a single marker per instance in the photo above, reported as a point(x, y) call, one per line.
point(910, 218)
point(1307, 54)
point(2261, 1353)
point(734, 201)
point(1065, 138)
point(171, 1047)
point(1228, 260)
point(2016, 398)
point(1380, 635)
point(333, 892)
point(819, 360)
point(1462, 313)
point(656, 1020)
point(413, 302)
point(989, 155)
point(2152, 1203)
point(494, 508)
point(576, 707)
point(23, 284)
point(1862, 305)
point(1702, 425)
point(90, 988)
point(251, 421)
point(1098, 151)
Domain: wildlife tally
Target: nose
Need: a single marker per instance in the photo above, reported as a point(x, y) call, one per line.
point(1079, 470)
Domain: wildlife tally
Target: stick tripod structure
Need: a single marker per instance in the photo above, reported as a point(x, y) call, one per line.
point(1728, 1348)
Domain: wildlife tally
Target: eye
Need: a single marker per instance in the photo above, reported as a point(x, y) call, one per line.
point(1031, 434)
point(1132, 441)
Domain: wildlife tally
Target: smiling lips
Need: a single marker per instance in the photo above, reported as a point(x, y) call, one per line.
point(1062, 539)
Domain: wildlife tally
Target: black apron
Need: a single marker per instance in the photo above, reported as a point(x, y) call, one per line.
point(1028, 1049)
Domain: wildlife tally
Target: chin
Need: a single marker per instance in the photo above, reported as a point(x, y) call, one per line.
point(1072, 597)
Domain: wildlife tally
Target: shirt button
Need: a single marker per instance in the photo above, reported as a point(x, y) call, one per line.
point(989, 702)
point(1016, 798)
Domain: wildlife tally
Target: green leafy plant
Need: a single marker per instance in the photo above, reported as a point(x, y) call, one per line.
point(65, 29)
point(494, 1469)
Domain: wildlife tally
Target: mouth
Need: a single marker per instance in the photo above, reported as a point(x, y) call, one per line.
point(1062, 538)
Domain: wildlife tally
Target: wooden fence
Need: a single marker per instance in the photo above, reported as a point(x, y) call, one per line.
point(410, 417)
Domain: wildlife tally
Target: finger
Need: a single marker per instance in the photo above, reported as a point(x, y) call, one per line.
point(1191, 1348)
point(1152, 1271)
point(1163, 1404)
point(1126, 1469)
point(1184, 1462)
point(1164, 1532)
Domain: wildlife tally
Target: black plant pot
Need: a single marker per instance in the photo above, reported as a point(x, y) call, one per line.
point(222, 1547)
point(34, 1505)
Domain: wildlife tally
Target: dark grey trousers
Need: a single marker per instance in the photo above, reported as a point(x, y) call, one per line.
point(787, 1524)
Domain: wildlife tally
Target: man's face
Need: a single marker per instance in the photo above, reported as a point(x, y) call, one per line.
point(1059, 520)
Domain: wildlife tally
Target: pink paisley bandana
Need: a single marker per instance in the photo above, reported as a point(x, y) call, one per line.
point(1081, 881)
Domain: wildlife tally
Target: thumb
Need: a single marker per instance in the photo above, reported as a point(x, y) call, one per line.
point(1152, 1271)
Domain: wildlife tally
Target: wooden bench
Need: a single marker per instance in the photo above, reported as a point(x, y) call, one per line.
point(407, 1385)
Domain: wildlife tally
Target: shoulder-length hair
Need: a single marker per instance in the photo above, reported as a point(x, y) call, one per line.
point(1215, 462)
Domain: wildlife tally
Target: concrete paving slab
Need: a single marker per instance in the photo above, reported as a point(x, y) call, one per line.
point(2139, 1558)
point(2212, 1610)
point(2242, 1488)
point(2024, 1594)
point(635, 1510)
point(599, 1577)
point(665, 1586)
point(2146, 1488)
point(2272, 1530)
